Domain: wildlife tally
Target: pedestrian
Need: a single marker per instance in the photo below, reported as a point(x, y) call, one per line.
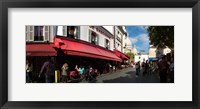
point(146, 68)
point(172, 71)
point(64, 72)
point(48, 70)
point(143, 64)
point(74, 75)
point(134, 67)
point(110, 68)
point(150, 67)
point(81, 70)
point(77, 72)
point(107, 68)
point(114, 69)
point(92, 74)
point(137, 69)
point(29, 69)
point(163, 66)
point(86, 74)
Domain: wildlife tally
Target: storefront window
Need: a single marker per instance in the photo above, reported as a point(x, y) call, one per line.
point(38, 33)
point(93, 37)
point(107, 44)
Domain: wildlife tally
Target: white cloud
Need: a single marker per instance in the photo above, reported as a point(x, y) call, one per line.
point(143, 38)
point(144, 28)
point(133, 40)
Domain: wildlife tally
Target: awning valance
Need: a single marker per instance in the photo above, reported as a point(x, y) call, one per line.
point(35, 49)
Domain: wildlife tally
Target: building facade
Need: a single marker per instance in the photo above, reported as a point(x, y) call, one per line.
point(152, 51)
point(97, 35)
point(157, 53)
point(76, 45)
point(118, 38)
point(141, 57)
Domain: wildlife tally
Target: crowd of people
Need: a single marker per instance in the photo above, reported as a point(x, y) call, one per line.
point(67, 73)
point(164, 68)
point(80, 73)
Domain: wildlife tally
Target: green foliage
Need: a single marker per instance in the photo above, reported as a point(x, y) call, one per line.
point(161, 36)
point(131, 55)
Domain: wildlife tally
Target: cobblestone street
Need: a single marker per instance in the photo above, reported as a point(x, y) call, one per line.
point(127, 75)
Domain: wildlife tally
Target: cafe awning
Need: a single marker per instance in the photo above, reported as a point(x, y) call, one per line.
point(36, 49)
point(85, 49)
point(121, 55)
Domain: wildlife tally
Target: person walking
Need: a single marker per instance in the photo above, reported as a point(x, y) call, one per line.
point(162, 66)
point(134, 66)
point(172, 71)
point(145, 68)
point(64, 72)
point(48, 69)
point(29, 68)
point(137, 69)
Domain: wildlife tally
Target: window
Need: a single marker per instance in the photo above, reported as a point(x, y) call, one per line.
point(93, 37)
point(38, 33)
point(107, 44)
point(71, 31)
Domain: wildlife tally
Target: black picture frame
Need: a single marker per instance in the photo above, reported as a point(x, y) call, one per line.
point(5, 4)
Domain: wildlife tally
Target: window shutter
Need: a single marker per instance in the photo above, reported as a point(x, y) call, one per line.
point(27, 33)
point(97, 40)
point(46, 33)
point(31, 33)
point(90, 40)
point(77, 32)
point(64, 30)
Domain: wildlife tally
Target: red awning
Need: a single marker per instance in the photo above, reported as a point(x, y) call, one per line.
point(40, 50)
point(81, 48)
point(121, 55)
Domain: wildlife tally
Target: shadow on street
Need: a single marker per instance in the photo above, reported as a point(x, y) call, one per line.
point(130, 77)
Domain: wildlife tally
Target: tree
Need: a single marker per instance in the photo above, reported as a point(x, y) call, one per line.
point(131, 55)
point(161, 36)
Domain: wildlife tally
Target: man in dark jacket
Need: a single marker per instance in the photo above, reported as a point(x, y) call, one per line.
point(48, 69)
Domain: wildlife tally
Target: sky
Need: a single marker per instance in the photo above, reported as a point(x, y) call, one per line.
point(139, 37)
